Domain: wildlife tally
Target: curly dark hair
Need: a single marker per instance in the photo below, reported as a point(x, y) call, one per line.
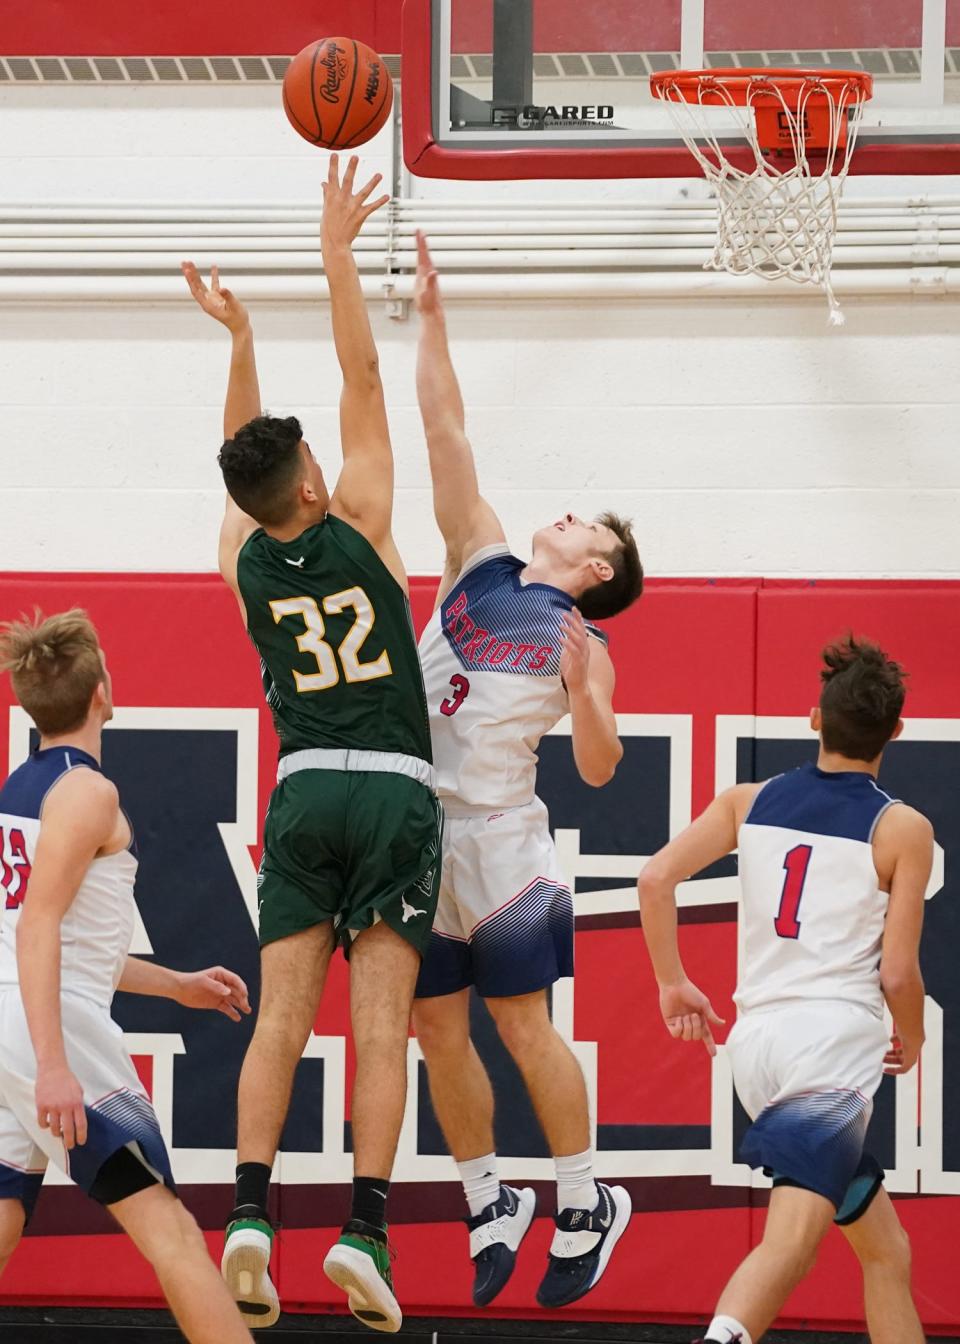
point(262, 467)
point(861, 700)
point(606, 599)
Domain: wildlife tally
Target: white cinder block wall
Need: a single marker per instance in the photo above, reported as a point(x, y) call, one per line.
point(744, 438)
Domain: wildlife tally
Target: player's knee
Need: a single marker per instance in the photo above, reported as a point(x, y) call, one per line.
point(177, 1236)
point(439, 1033)
point(890, 1256)
point(523, 1027)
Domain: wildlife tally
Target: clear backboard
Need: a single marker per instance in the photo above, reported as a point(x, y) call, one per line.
point(560, 88)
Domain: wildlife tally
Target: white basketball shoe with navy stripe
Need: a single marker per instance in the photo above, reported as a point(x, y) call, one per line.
point(582, 1246)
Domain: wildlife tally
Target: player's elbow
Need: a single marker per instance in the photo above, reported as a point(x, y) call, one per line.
point(654, 883)
point(599, 774)
point(899, 977)
point(364, 374)
point(600, 769)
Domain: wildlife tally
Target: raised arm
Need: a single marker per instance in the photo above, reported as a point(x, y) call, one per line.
point(363, 495)
point(79, 818)
point(686, 1010)
point(466, 520)
point(242, 401)
point(903, 846)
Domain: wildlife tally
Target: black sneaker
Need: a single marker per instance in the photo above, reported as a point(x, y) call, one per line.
point(582, 1246)
point(495, 1236)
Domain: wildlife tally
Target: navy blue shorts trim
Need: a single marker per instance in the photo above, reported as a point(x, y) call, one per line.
point(21, 1185)
point(518, 950)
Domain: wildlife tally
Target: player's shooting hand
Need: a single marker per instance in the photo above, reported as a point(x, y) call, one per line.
point(575, 653)
point(219, 303)
point(345, 213)
point(60, 1109)
point(688, 1014)
point(426, 290)
point(215, 988)
point(902, 1055)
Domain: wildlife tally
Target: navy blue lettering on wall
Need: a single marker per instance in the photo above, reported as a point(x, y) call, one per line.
point(177, 785)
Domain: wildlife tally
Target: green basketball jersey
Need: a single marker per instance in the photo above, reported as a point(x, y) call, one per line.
point(335, 637)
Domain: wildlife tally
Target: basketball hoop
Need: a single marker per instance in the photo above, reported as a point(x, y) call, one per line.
point(777, 215)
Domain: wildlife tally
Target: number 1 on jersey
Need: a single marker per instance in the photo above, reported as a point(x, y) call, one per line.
point(796, 863)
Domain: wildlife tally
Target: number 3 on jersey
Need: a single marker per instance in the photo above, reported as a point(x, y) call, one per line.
point(796, 863)
point(461, 689)
point(312, 640)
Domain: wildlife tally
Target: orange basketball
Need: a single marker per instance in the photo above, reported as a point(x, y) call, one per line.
point(337, 93)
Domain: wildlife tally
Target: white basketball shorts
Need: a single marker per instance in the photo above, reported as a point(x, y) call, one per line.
point(806, 1075)
point(504, 919)
point(119, 1114)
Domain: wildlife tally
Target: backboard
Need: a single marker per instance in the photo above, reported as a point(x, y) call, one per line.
point(560, 88)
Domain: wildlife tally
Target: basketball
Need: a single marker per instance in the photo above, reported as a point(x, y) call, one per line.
point(337, 93)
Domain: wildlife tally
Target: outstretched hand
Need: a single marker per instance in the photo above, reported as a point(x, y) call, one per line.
point(219, 303)
point(426, 290)
point(688, 1014)
point(345, 213)
point(215, 988)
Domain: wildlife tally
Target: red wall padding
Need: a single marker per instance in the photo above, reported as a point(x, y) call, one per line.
point(701, 652)
point(227, 27)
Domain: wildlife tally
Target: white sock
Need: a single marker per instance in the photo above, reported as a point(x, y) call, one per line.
point(576, 1188)
point(725, 1330)
point(481, 1184)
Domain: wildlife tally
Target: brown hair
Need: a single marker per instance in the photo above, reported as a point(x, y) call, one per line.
point(55, 665)
point(861, 699)
point(625, 585)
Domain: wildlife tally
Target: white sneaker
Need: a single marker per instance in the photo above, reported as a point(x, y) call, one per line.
point(360, 1265)
point(246, 1268)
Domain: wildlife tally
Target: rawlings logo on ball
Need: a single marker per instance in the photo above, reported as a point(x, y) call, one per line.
point(337, 93)
point(335, 63)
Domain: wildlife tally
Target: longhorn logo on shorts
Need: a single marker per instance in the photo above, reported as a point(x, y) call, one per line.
point(409, 912)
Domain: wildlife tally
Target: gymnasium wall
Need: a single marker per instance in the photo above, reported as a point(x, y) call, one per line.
point(744, 437)
point(715, 682)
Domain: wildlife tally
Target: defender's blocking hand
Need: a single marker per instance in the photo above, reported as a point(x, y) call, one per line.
point(219, 303)
point(426, 291)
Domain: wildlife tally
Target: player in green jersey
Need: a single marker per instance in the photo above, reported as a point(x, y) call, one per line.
point(351, 840)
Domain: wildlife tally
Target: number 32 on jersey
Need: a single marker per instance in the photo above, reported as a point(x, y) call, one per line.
point(347, 655)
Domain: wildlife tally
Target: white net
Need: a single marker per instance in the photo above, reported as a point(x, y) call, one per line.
point(778, 218)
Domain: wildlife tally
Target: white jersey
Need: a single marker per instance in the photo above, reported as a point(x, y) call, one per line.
point(97, 930)
point(491, 670)
point(812, 913)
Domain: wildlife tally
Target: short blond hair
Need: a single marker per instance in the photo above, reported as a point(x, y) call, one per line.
point(55, 665)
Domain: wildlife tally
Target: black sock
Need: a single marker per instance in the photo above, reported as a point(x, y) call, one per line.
point(253, 1185)
point(370, 1200)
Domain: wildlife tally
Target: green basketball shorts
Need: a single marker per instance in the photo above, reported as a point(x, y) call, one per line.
point(352, 847)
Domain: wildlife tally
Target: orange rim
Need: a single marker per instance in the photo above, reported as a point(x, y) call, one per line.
point(745, 86)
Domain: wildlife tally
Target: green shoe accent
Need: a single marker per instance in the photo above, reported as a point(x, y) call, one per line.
point(378, 1252)
point(257, 1224)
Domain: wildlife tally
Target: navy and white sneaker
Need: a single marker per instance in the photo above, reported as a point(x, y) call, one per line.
point(495, 1236)
point(582, 1246)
